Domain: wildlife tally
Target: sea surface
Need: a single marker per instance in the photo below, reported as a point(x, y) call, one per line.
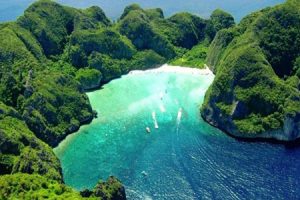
point(10, 10)
point(182, 157)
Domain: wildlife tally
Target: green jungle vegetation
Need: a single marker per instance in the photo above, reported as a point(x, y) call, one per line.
point(51, 55)
point(193, 58)
point(256, 88)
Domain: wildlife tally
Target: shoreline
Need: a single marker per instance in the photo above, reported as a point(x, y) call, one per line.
point(165, 68)
point(175, 69)
point(288, 144)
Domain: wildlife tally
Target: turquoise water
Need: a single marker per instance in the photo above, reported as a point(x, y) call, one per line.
point(10, 10)
point(184, 158)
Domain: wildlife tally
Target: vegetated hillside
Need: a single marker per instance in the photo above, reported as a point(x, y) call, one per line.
point(48, 58)
point(256, 89)
point(196, 57)
point(27, 187)
point(21, 151)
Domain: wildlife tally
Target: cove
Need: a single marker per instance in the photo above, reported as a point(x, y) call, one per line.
point(183, 157)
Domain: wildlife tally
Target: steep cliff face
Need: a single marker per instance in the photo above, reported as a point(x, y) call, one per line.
point(21, 151)
point(217, 48)
point(255, 92)
point(50, 111)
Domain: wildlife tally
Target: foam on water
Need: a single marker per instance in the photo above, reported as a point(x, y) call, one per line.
point(184, 158)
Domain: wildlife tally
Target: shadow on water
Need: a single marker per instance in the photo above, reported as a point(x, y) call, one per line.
point(295, 144)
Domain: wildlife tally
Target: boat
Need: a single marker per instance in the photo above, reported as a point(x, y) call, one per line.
point(144, 173)
point(148, 130)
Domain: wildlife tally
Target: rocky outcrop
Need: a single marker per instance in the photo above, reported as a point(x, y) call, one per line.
point(51, 111)
point(93, 85)
point(252, 96)
point(217, 48)
point(21, 151)
point(112, 189)
point(290, 130)
point(89, 78)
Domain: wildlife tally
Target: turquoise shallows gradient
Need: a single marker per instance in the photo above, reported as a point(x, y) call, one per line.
point(184, 158)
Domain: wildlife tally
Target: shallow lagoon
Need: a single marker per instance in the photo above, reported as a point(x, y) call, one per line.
point(184, 158)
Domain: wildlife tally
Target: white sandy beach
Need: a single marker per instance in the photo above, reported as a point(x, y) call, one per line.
point(176, 69)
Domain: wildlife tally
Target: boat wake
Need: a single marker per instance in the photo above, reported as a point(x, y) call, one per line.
point(137, 195)
point(154, 119)
point(179, 115)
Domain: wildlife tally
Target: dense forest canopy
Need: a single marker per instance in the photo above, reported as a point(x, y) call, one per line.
point(256, 89)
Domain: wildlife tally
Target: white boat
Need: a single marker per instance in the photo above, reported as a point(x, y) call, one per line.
point(144, 173)
point(148, 130)
point(179, 115)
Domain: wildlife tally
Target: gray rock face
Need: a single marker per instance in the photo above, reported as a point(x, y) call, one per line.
point(214, 116)
point(240, 110)
point(115, 188)
point(290, 130)
point(89, 85)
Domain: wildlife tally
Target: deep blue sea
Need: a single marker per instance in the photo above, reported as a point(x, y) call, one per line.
point(183, 158)
point(11, 9)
